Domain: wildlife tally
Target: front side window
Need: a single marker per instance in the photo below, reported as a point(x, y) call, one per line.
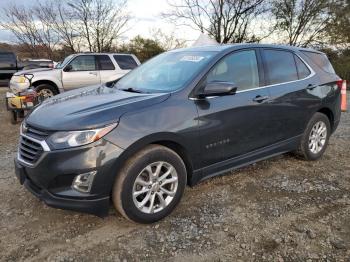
point(125, 62)
point(166, 72)
point(280, 66)
point(239, 68)
point(83, 63)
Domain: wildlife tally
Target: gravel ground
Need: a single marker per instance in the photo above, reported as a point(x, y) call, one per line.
point(282, 209)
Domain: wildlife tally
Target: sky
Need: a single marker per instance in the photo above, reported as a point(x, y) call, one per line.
point(146, 14)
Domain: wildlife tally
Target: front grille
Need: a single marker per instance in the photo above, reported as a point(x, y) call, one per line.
point(36, 133)
point(29, 150)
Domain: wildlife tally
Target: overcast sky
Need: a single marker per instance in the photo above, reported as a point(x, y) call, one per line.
point(146, 15)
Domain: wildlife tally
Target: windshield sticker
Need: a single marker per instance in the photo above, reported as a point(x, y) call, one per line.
point(192, 58)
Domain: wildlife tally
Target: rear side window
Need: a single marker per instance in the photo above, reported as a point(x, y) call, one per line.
point(105, 63)
point(320, 60)
point(280, 66)
point(125, 62)
point(303, 70)
point(240, 68)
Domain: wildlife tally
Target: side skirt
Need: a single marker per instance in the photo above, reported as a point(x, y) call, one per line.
point(244, 160)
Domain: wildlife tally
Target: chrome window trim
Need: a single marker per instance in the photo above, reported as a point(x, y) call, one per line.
point(312, 73)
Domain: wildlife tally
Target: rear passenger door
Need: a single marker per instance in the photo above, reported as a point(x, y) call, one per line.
point(125, 64)
point(289, 80)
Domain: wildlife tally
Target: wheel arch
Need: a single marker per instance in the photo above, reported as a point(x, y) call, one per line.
point(170, 141)
point(328, 112)
point(48, 82)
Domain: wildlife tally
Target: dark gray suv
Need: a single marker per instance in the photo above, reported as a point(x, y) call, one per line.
point(180, 118)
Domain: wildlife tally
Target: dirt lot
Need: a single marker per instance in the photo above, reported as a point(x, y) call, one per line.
point(282, 209)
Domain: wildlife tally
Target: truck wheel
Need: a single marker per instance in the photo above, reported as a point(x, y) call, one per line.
point(315, 138)
point(150, 184)
point(46, 90)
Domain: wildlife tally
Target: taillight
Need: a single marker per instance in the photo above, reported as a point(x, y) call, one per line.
point(340, 83)
point(343, 95)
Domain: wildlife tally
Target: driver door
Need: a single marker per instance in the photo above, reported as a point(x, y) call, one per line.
point(81, 71)
point(233, 125)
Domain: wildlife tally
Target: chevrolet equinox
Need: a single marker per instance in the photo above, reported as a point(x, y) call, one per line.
point(180, 118)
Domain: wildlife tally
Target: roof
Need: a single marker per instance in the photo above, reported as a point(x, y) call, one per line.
point(222, 47)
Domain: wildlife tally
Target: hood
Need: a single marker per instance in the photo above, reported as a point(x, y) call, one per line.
point(36, 71)
point(88, 108)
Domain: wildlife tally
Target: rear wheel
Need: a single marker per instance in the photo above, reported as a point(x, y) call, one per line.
point(150, 185)
point(315, 138)
point(46, 90)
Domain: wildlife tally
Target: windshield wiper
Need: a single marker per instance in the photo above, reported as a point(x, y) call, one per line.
point(130, 89)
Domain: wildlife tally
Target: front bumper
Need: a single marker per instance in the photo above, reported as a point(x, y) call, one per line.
point(51, 178)
point(18, 87)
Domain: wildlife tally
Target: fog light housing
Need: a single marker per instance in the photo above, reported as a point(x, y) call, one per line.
point(83, 182)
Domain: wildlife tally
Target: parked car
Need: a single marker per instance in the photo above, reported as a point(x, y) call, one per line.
point(77, 70)
point(10, 65)
point(183, 116)
point(37, 63)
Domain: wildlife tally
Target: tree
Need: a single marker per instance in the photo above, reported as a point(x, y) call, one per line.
point(227, 21)
point(29, 29)
point(339, 26)
point(100, 22)
point(143, 48)
point(302, 22)
point(167, 41)
point(59, 17)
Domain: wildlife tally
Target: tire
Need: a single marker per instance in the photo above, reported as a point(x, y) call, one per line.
point(46, 90)
point(125, 186)
point(306, 150)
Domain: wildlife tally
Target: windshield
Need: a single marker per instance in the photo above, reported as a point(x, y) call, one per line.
point(65, 61)
point(166, 72)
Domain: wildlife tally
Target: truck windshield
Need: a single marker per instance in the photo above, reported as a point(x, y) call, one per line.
point(166, 72)
point(65, 61)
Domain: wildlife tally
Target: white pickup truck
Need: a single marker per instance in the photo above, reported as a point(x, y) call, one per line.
point(77, 70)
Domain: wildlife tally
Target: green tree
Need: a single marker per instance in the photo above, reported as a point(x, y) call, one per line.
point(143, 48)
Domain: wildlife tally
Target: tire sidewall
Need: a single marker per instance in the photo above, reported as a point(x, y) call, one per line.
point(316, 118)
point(127, 202)
point(46, 86)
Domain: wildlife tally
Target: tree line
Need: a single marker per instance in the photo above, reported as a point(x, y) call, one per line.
point(55, 28)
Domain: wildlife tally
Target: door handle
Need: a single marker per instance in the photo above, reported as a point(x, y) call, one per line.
point(93, 73)
point(310, 87)
point(260, 98)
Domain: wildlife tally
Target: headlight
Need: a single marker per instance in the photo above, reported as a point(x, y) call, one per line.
point(20, 79)
point(66, 139)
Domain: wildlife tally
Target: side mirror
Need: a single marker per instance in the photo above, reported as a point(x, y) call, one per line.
point(29, 76)
point(68, 68)
point(218, 89)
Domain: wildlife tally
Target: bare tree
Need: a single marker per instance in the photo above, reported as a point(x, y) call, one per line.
point(226, 21)
point(167, 41)
point(57, 16)
point(100, 22)
point(28, 29)
point(302, 22)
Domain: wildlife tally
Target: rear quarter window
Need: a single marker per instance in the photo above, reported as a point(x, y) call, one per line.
point(125, 62)
point(320, 60)
point(281, 66)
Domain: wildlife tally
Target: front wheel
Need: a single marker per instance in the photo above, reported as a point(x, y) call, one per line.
point(315, 138)
point(46, 91)
point(150, 184)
